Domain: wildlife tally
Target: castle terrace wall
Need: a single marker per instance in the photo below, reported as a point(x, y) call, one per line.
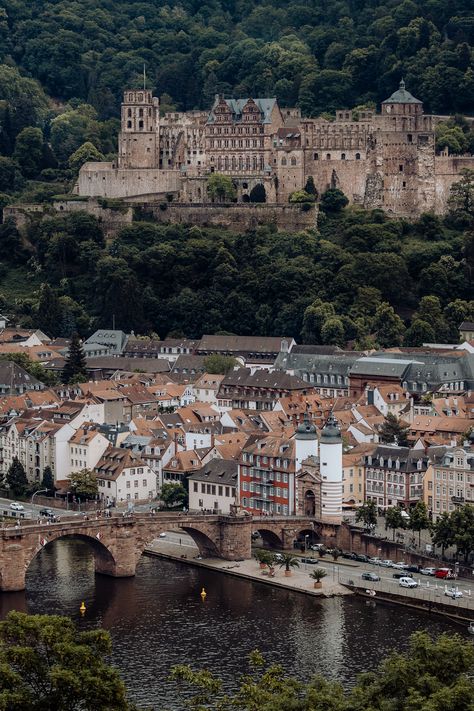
point(236, 217)
point(112, 219)
point(106, 180)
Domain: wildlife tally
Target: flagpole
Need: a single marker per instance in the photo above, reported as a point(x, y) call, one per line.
point(144, 76)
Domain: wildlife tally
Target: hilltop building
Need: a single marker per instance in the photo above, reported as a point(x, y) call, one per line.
point(386, 160)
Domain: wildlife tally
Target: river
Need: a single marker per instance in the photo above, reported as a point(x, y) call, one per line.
point(158, 619)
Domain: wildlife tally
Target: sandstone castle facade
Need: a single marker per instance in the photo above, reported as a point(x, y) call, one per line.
point(385, 160)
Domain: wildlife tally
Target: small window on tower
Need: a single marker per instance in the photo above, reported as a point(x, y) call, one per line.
point(129, 124)
point(129, 112)
point(400, 168)
point(140, 125)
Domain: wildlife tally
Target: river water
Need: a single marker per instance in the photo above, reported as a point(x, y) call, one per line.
point(158, 619)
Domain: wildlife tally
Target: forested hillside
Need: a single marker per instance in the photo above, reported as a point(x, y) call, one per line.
point(364, 278)
point(319, 54)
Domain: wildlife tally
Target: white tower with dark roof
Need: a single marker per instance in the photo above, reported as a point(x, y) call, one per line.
point(330, 465)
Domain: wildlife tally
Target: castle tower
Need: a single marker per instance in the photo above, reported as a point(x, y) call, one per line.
point(402, 103)
point(306, 441)
point(330, 463)
point(139, 138)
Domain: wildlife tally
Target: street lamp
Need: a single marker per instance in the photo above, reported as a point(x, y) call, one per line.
point(40, 491)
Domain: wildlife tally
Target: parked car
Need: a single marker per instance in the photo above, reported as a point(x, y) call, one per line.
point(453, 592)
point(445, 574)
point(47, 512)
point(316, 546)
point(373, 577)
point(16, 506)
point(345, 554)
point(427, 571)
point(406, 582)
point(400, 566)
point(413, 569)
point(362, 558)
point(374, 561)
point(402, 574)
point(279, 557)
point(386, 563)
point(311, 561)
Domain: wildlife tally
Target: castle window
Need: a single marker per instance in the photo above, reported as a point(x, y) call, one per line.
point(328, 156)
point(357, 156)
point(404, 184)
point(343, 156)
point(140, 125)
point(400, 168)
point(129, 124)
point(316, 156)
point(140, 112)
point(129, 112)
point(283, 161)
point(293, 161)
point(140, 97)
point(410, 138)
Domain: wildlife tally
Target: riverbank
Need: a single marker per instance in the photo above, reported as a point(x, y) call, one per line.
point(248, 569)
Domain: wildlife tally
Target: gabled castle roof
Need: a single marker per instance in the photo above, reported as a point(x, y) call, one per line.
point(236, 106)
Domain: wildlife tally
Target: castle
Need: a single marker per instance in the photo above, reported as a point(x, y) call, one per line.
point(385, 160)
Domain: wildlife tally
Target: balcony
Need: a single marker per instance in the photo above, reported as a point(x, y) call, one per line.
point(458, 499)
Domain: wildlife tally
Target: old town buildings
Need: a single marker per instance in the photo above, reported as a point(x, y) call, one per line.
point(382, 160)
point(293, 431)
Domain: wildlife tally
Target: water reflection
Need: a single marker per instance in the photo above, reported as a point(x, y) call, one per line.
point(157, 619)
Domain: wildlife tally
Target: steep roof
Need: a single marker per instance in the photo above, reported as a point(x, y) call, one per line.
point(217, 471)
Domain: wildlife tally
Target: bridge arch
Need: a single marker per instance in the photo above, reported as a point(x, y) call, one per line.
point(206, 546)
point(269, 537)
point(104, 559)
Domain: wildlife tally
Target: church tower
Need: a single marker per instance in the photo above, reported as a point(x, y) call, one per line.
point(139, 138)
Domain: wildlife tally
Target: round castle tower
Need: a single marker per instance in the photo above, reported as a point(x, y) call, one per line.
point(330, 464)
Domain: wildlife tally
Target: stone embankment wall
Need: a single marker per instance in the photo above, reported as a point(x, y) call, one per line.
point(112, 218)
point(236, 217)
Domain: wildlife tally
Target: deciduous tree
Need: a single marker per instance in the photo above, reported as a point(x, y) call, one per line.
point(84, 483)
point(47, 664)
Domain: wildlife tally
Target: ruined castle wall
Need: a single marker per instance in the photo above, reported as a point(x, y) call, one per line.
point(237, 217)
point(447, 171)
point(348, 174)
point(105, 180)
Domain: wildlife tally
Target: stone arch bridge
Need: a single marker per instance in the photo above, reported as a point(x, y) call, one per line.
point(118, 542)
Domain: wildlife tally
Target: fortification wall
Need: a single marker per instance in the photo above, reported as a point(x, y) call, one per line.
point(447, 172)
point(237, 217)
point(112, 218)
point(105, 180)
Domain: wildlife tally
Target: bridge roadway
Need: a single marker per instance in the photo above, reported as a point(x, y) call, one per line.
point(119, 541)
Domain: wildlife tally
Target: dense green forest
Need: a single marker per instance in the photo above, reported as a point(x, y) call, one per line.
point(363, 278)
point(320, 54)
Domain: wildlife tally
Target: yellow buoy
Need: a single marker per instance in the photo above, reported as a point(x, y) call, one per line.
point(82, 608)
point(203, 594)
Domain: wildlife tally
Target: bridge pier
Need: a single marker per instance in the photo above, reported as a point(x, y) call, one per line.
point(120, 561)
point(12, 577)
point(235, 542)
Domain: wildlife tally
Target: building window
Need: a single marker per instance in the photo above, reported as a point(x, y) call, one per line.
point(357, 156)
point(343, 156)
